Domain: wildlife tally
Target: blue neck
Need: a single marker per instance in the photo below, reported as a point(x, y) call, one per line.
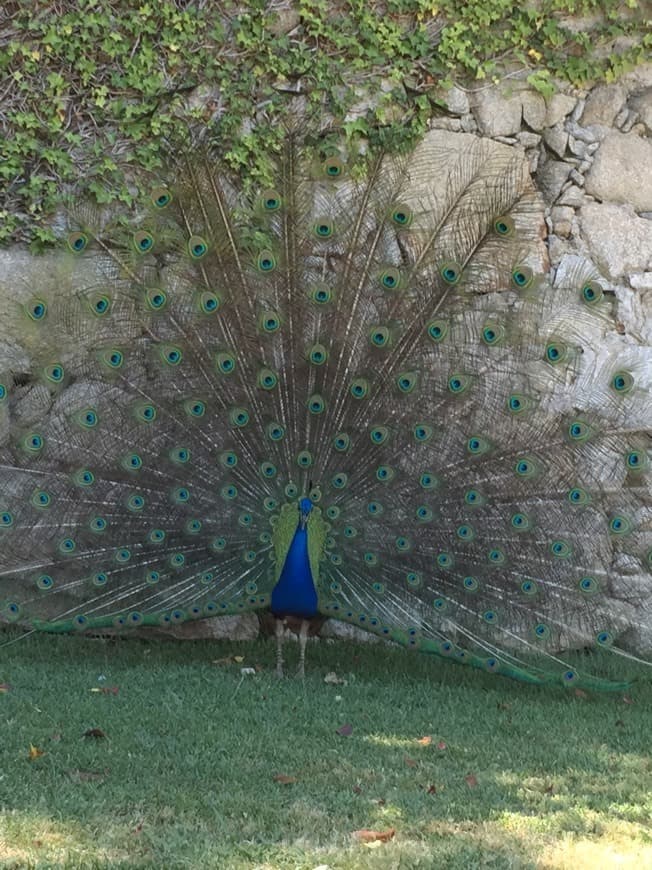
point(294, 593)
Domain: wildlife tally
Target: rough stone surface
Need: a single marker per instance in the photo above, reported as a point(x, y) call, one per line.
point(641, 280)
point(576, 114)
point(454, 125)
point(628, 125)
point(528, 140)
point(642, 105)
point(562, 219)
point(534, 110)
point(468, 123)
point(457, 101)
point(634, 315)
point(622, 171)
point(552, 177)
point(573, 196)
point(576, 23)
point(638, 79)
point(241, 627)
point(603, 105)
point(558, 248)
point(625, 120)
point(497, 115)
point(535, 156)
point(344, 631)
point(587, 134)
point(556, 138)
point(285, 20)
point(619, 241)
point(558, 107)
point(577, 147)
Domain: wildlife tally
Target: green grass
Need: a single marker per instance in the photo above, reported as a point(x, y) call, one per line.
point(185, 776)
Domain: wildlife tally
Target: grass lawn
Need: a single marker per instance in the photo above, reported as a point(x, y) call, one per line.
point(200, 766)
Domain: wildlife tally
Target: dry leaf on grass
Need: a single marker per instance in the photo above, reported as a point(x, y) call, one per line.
point(284, 779)
point(345, 730)
point(4, 688)
point(425, 741)
point(34, 752)
point(365, 836)
point(471, 780)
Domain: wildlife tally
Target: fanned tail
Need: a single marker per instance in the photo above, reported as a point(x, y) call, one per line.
point(381, 342)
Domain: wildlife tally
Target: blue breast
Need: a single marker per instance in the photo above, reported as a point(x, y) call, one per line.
point(294, 593)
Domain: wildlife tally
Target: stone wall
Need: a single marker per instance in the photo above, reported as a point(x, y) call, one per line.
point(590, 154)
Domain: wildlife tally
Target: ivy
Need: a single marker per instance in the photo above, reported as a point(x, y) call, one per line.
point(97, 91)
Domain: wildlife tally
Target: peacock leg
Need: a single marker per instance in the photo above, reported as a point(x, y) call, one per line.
point(280, 631)
point(303, 638)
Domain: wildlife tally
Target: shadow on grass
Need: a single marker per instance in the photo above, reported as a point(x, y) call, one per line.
point(186, 774)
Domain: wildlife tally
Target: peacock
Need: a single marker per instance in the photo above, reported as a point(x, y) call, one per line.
point(356, 394)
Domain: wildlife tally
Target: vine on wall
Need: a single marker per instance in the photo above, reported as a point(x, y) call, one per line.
point(93, 90)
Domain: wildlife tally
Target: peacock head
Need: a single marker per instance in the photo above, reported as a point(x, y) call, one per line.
point(305, 506)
